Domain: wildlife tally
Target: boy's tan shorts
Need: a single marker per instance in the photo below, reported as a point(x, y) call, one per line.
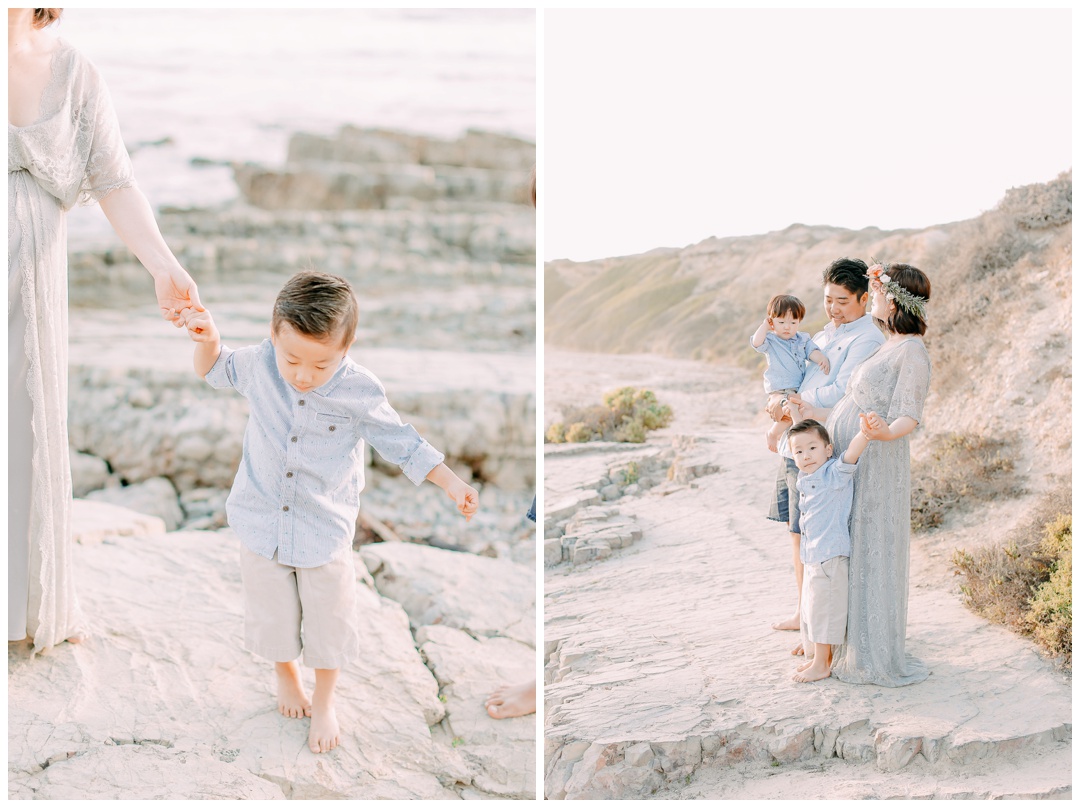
point(824, 602)
point(279, 598)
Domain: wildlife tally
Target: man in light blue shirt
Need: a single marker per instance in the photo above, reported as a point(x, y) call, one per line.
point(848, 339)
point(295, 498)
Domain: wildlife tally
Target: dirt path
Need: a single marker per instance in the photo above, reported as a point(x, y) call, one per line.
point(664, 678)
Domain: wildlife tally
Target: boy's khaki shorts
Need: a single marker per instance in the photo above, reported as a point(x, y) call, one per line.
point(824, 603)
point(279, 598)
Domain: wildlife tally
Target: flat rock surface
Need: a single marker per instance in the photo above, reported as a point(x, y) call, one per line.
point(162, 700)
point(661, 657)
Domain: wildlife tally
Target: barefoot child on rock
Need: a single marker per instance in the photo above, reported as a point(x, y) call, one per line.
point(826, 486)
point(294, 501)
point(786, 350)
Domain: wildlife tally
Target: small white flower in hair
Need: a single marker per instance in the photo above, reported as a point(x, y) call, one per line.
point(885, 278)
point(889, 296)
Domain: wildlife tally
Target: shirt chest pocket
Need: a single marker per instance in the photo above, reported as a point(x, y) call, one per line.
point(333, 431)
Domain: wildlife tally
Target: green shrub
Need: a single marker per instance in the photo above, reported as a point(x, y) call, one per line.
point(1025, 582)
point(1050, 614)
point(625, 416)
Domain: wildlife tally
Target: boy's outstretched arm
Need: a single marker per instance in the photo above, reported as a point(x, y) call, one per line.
point(859, 442)
point(466, 497)
point(819, 358)
point(203, 331)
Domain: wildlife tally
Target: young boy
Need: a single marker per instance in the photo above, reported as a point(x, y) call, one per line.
point(294, 501)
point(786, 350)
point(825, 492)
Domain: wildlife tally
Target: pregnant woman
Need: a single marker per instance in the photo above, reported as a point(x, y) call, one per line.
point(64, 146)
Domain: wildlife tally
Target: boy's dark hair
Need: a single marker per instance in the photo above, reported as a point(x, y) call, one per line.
point(915, 281)
point(317, 305)
point(786, 304)
point(849, 273)
point(810, 425)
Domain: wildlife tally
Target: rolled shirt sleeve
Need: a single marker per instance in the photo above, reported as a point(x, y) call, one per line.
point(396, 442)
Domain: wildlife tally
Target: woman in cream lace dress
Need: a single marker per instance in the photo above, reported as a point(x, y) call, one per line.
point(64, 146)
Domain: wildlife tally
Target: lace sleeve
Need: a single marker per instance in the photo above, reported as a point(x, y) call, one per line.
point(108, 166)
point(912, 382)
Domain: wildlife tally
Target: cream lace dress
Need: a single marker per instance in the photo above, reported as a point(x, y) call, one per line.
point(893, 383)
point(72, 153)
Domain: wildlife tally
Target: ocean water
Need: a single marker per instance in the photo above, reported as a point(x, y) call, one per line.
point(233, 84)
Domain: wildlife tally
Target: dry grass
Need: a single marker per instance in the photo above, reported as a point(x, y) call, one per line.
point(959, 469)
point(1025, 583)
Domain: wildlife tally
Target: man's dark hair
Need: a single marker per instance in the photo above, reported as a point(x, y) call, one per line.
point(810, 425)
point(317, 305)
point(849, 273)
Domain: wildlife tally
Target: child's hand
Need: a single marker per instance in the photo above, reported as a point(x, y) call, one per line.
point(823, 363)
point(768, 324)
point(466, 497)
point(200, 325)
point(873, 426)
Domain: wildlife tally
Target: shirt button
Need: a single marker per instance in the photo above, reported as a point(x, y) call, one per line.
point(333, 428)
point(288, 474)
point(301, 402)
point(285, 508)
point(293, 438)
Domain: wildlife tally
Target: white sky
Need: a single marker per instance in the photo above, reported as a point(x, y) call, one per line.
point(662, 128)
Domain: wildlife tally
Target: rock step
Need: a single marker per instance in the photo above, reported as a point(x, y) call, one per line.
point(1036, 774)
point(852, 763)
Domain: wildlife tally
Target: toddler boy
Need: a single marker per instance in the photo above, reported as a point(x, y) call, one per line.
point(786, 350)
point(294, 501)
point(825, 486)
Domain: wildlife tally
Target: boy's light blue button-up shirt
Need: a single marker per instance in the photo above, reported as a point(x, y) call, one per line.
point(297, 491)
point(824, 507)
point(786, 359)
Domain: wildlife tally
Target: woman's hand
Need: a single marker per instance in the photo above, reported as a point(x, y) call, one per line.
point(176, 291)
point(873, 426)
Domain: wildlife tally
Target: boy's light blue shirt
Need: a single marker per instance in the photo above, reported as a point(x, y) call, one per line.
point(786, 359)
point(298, 486)
point(824, 507)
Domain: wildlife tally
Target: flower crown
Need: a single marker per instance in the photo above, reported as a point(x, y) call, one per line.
point(908, 301)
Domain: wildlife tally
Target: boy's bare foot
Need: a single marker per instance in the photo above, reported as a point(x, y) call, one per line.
point(293, 701)
point(791, 624)
point(813, 673)
point(510, 701)
point(325, 733)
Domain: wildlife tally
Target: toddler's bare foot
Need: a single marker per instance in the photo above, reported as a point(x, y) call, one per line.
point(325, 733)
point(791, 624)
point(813, 673)
point(510, 701)
point(76, 638)
point(293, 701)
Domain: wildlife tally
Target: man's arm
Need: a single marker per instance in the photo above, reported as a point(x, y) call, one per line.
point(828, 395)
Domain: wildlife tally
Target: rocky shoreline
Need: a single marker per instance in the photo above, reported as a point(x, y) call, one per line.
point(438, 239)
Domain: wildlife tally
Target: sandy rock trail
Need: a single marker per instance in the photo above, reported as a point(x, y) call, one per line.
point(664, 678)
point(163, 702)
